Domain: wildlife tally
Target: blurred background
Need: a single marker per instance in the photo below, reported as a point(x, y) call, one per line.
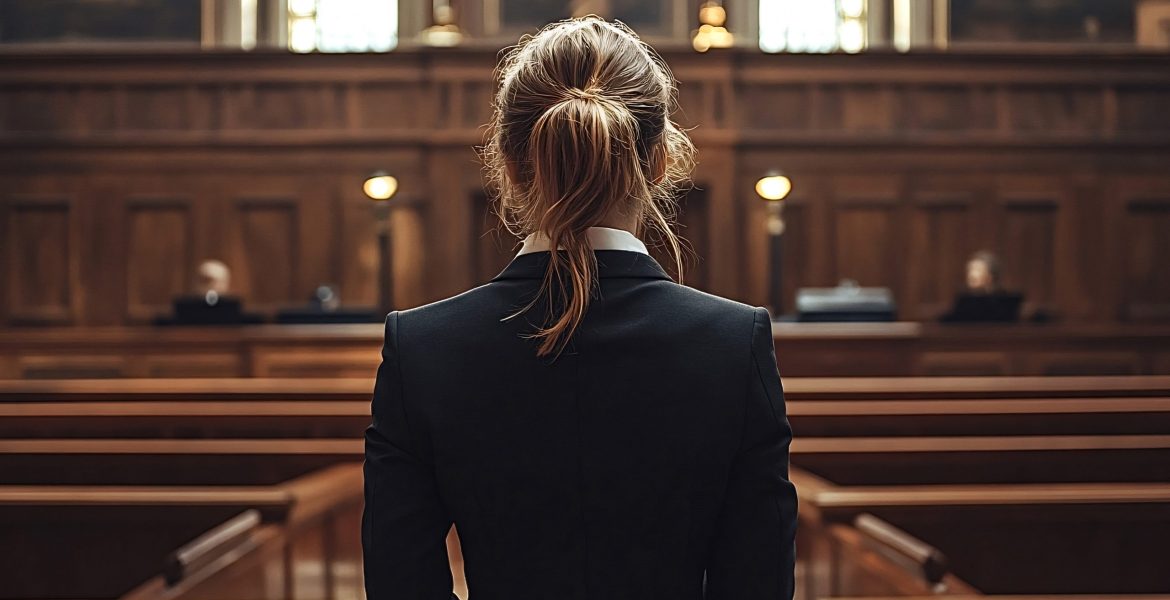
point(958, 212)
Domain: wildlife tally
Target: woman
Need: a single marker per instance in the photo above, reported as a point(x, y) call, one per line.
point(593, 429)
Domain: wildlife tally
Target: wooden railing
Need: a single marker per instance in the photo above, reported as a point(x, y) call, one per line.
point(242, 555)
point(988, 530)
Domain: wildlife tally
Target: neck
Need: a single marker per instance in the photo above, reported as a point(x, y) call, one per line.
point(617, 220)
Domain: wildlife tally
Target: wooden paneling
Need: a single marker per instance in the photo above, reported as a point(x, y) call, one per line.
point(693, 218)
point(1147, 235)
point(494, 244)
point(798, 240)
point(159, 253)
point(309, 361)
point(139, 166)
point(1029, 247)
point(268, 250)
point(476, 103)
point(1056, 108)
point(72, 365)
point(865, 244)
point(942, 239)
point(158, 107)
point(358, 257)
point(867, 241)
point(963, 364)
point(39, 108)
point(408, 225)
point(774, 107)
point(42, 269)
point(949, 108)
point(859, 107)
point(388, 106)
point(1080, 362)
point(1143, 108)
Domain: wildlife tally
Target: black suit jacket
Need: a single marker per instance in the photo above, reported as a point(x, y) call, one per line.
point(650, 460)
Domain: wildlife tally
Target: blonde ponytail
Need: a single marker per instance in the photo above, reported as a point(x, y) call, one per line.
point(581, 130)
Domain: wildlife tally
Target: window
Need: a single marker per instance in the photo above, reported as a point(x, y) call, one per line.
point(820, 26)
point(342, 25)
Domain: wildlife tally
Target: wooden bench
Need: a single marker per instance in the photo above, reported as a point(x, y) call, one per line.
point(985, 459)
point(1019, 597)
point(810, 418)
point(169, 462)
point(973, 388)
point(892, 460)
point(1017, 538)
point(1015, 416)
point(100, 541)
point(231, 389)
point(287, 408)
point(185, 419)
point(869, 557)
point(995, 430)
point(314, 554)
point(795, 388)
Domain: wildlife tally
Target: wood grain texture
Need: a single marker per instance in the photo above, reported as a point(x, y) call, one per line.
point(903, 165)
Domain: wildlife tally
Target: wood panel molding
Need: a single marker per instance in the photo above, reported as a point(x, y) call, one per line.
point(160, 254)
point(43, 269)
point(1147, 232)
point(142, 165)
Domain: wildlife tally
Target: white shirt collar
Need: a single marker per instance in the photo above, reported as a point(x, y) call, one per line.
point(600, 238)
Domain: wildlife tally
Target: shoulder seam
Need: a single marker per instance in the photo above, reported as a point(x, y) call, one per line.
point(393, 316)
point(756, 363)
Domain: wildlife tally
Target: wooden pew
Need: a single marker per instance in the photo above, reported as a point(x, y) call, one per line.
point(169, 462)
point(282, 408)
point(892, 460)
point(1016, 416)
point(1024, 597)
point(872, 557)
point(985, 459)
point(857, 554)
point(100, 541)
point(891, 406)
point(314, 554)
point(795, 388)
point(231, 389)
point(185, 419)
point(270, 412)
point(809, 418)
point(973, 388)
point(1018, 538)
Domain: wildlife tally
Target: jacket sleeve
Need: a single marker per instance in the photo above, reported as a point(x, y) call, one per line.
point(404, 522)
point(753, 554)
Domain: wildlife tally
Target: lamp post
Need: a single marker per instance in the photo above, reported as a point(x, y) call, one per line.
point(380, 187)
point(773, 188)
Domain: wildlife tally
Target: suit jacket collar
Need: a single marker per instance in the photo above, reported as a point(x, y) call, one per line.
point(600, 238)
point(610, 264)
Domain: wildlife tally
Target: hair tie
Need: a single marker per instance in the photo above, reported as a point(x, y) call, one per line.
point(582, 94)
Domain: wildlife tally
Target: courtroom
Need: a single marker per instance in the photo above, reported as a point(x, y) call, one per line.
point(584, 299)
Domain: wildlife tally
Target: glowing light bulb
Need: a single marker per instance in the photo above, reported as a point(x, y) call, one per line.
point(773, 187)
point(380, 186)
